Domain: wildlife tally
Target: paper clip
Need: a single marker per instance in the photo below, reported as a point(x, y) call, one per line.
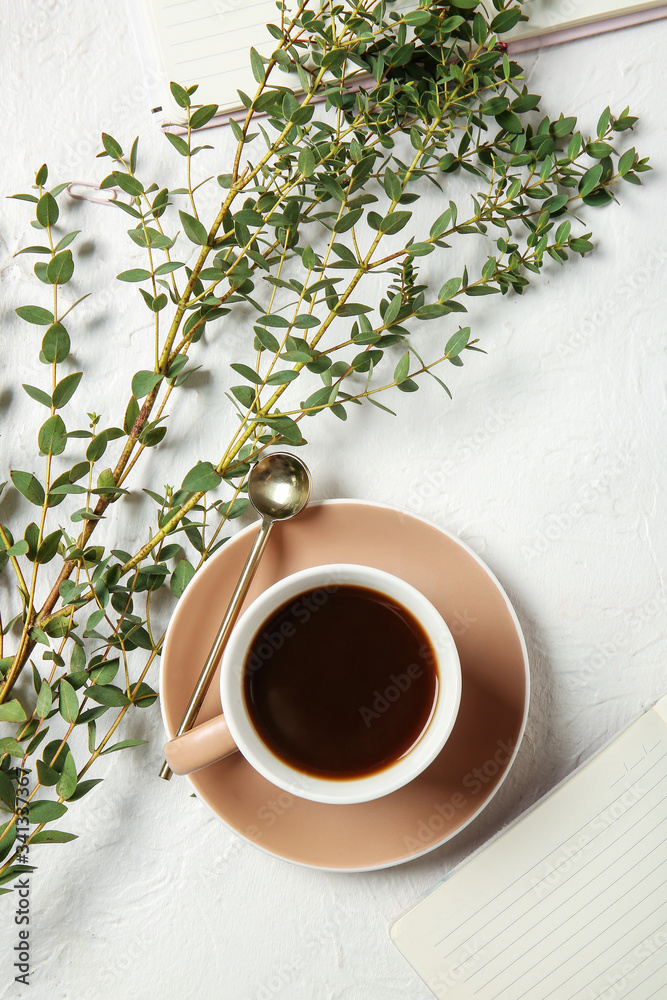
point(108, 194)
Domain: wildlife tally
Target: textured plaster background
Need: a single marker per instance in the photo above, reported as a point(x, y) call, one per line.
point(550, 462)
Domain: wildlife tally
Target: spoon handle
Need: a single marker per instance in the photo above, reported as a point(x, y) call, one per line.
point(224, 632)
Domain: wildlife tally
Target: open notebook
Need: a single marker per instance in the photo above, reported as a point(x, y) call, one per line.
point(208, 41)
point(553, 21)
point(571, 900)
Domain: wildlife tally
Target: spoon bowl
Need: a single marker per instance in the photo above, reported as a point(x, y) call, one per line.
point(279, 486)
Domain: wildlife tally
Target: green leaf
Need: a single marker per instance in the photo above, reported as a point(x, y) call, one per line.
point(286, 427)
point(45, 774)
point(449, 288)
point(392, 310)
point(179, 143)
point(194, 230)
point(402, 368)
point(244, 394)
point(52, 436)
point(66, 783)
point(12, 711)
point(68, 703)
point(394, 222)
point(257, 65)
point(56, 343)
point(200, 478)
point(181, 576)
point(266, 339)
point(131, 414)
point(563, 126)
point(35, 314)
point(599, 150)
point(107, 694)
point(20, 548)
point(306, 161)
point(144, 382)
point(180, 95)
point(248, 373)
point(29, 486)
point(85, 786)
point(38, 394)
point(457, 342)
point(281, 378)
point(134, 274)
point(347, 220)
point(97, 447)
point(590, 180)
point(111, 146)
point(44, 811)
point(7, 793)
point(60, 268)
point(66, 240)
point(392, 184)
point(52, 837)
point(49, 547)
point(441, 224)
point(122, 745)
point(130, 185)
point(11, 746)
point(44, 700)
point(626, 162)
point(42, 175)
point(203, 115)
point(510, 122)
point(408, 385)
point(65, 389)
point(47, 210)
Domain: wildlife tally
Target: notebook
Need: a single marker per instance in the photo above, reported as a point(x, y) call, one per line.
point(569, 902)
point(554, 21)
point(208, 41)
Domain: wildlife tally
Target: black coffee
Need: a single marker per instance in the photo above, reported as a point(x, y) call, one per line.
point(340, 682)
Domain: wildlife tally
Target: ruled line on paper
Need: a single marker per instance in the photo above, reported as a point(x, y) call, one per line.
point(599, 955)
point(654, 994)
point(526, 972)
point(586, 944)
point(594, 857)
point(541, 861)
point(620, 978)
point(576, 932)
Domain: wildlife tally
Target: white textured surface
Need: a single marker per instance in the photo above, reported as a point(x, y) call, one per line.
point(551, 462)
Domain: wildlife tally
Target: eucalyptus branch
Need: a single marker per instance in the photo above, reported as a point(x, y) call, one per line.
point(314, 215)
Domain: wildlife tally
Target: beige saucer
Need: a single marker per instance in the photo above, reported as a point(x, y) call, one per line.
point(488, 730)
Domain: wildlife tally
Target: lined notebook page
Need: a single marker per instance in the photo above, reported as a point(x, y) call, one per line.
point(208, 42)
point(570, 901)
point(553, 15)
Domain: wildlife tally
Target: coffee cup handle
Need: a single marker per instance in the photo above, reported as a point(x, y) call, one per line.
point(200, 746)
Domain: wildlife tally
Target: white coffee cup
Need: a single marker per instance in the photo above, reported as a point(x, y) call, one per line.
point(235, 730)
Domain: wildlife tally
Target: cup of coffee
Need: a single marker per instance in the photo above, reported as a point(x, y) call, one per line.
point(340, 684)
